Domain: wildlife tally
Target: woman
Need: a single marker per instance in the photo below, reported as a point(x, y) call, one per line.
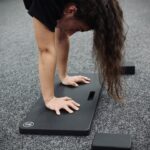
point(54, 21)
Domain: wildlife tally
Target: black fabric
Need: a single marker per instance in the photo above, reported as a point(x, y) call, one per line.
point(46, 11)
point(27, 3)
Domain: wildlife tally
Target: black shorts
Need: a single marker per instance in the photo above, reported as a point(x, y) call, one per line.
point(46, 11)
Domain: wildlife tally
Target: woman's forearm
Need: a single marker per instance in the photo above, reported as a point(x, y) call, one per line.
point(47, 64)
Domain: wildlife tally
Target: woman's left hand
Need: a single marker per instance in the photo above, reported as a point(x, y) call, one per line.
point(74, 80)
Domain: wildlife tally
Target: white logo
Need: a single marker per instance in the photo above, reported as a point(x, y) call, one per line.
point(28, 124)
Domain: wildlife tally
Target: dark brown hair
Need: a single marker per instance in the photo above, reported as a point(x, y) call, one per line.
point(105, 17)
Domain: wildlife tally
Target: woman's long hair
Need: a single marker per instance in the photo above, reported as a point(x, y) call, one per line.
point(105, 17)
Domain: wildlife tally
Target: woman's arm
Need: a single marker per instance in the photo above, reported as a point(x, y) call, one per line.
point(62, 48)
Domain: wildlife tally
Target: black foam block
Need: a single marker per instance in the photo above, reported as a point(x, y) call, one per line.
point(105, 141)
point(41, 120)
point(128, 68)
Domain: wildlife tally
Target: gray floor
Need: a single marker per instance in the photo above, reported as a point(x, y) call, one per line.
point(19, 83)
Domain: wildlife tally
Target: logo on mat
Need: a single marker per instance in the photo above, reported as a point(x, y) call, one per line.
point(28, 124)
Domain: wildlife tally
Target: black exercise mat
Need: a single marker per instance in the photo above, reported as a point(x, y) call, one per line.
point(40, 120)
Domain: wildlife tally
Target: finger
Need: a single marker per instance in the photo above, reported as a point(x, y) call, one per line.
point(68, 109)
point(67, 98)
point(73, 106)
point(85, 81)
point(86, 78)
point(57, 111)
point(75, 103)
point(75, 84)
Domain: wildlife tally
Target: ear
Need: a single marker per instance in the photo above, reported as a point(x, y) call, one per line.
point(70, 8)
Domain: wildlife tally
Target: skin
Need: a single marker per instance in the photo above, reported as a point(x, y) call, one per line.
point(53, 51)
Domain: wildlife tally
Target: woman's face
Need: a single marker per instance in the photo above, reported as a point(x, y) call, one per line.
point(69, 24)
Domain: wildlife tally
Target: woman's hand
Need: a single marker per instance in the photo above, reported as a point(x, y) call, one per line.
point(65, 103)
point(74, 80)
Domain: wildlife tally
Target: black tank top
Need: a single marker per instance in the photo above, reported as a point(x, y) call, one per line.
point(46, 11)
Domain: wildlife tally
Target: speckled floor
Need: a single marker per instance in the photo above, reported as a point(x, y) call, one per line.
point(19, 83)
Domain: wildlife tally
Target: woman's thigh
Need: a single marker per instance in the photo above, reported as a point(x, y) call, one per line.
point(44, 37)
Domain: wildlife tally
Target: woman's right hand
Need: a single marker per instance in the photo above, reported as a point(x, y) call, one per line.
point(56, 104)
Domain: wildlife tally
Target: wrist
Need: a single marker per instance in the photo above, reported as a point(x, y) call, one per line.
point(61, 77)
point(47, 99)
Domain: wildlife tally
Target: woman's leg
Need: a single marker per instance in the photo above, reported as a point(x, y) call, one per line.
point(47, 58)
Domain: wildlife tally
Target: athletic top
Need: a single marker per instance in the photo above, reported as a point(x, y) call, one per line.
point(46, 11)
